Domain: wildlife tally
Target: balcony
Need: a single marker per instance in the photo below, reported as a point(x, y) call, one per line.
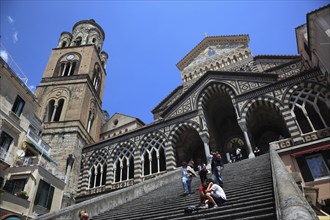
point(38, 142)
point(42, 162)
point(14, 204)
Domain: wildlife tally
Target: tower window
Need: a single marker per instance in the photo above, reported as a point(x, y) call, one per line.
point(90, 121)
point(67, 68)
point(18, 106)
point(94, 40)
point(97, 79)
point(55, 110)
point(78, 41)
point(63, 44)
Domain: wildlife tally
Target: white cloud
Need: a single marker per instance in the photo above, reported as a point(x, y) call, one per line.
point(10, 20)
point(32, 88)
point(4, 55)
point(15, 37)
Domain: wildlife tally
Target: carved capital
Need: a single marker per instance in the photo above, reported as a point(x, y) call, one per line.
point(243, 126)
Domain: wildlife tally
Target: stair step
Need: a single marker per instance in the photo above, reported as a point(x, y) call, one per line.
point(247, 183)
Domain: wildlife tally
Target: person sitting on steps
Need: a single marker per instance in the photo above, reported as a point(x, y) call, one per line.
point(202, 194)
point(215, 194)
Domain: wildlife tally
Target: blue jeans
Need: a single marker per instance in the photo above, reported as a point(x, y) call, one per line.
point(217, 175)
point(186, 183)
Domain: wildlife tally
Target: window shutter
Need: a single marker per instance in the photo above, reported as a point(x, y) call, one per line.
point(36, 201)
point(50, 197)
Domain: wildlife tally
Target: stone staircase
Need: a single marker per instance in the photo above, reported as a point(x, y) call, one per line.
point(248, 186)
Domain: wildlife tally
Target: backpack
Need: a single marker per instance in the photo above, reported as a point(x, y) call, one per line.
point(190, 209)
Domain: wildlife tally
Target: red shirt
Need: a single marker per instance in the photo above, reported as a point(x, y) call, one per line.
point(202, 189)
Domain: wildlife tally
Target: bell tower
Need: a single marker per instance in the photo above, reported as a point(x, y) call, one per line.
point(70, 94)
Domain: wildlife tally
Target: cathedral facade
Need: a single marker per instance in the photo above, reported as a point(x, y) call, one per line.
point(228, 99)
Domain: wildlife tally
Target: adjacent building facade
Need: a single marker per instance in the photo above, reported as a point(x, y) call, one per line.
point(30, 182)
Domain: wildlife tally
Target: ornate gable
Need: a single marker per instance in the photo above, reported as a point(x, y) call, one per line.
point(221, 53)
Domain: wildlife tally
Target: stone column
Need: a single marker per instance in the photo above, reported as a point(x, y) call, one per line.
point(205, 139)
point(242, 124)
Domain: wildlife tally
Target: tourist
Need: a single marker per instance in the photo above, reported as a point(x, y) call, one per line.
point(217, 167)
point(256, 151)
point(215, 194)
point(83, 215)
point(202, 170)
point(202, 194)
point(238, 154)
point(186, 179)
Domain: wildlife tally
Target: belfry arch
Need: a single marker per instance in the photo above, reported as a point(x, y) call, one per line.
point(216, 102)
point(265, 123)
point(187, 143)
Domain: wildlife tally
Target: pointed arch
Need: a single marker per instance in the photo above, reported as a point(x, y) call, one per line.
point(122, 158)
point(153, 153)
point(97, 168)
point(309, 105)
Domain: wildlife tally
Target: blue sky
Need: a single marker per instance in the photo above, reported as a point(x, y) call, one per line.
point(146, 39)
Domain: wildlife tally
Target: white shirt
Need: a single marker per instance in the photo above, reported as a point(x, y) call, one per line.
point(218, 191)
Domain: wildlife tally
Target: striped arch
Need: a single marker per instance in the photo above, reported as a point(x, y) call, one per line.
point(122, 162)
point(270, 102)
point(181, 127)
point(251, 106)
point(97, 168)
point(212, 89)
point(84, 176)
point(174, 136)
point(153, 149)
point(310, 85)
point(309, 94)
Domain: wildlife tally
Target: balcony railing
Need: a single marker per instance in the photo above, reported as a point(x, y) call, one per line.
point(39, 161)
point(6, 156)
point(284, 143)
point(42, 145)
point(308, 137)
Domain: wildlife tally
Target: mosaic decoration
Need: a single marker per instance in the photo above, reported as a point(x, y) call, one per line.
point(245, 86)
point(183, 108)
point(215, 52)
point(289, 71)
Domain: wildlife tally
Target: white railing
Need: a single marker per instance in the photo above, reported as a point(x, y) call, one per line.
point(12, 64)
point(38, 161)
point(42, 145)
